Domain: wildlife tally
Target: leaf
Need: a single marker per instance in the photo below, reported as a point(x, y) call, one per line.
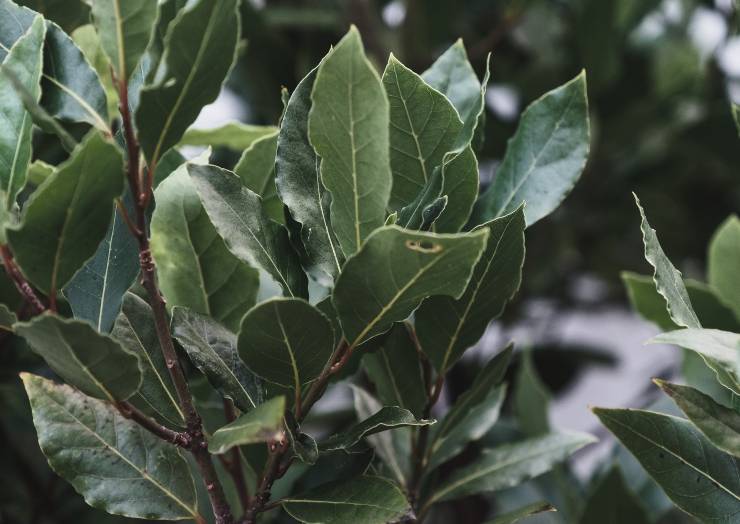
point(474, 413)
point(698, 478)
point(94, 363)
point(411, 216)
point(423, 127)
point(65, 220)
point(88, 40)
point(7, 318)
point(446, 326)
point(395, 270)
point(261, 424)
point(69, 14)
point(298, 181)
point(96, 291)
point(718, 423)
point(361, 500)
point(237, 214)
point(509, 465)
point(388, 418)
point(195, 268)
point(200, 48)
point(286, 341)
point(460, 170)
point(348, 128)
point(256, 168)
point(523, 513)
point(24, 61)
point(612, 502)
point(232, 135)
point(303, 447)
point(395, 371)
point(724, 251)
point(212, 349)
point(545, 157)
point(531, 399)
point(115, 464)
point(136, 332)
point(720, 346)
point(736, 116)
point(125, 28)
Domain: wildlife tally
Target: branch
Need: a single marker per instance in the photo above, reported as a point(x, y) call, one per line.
point(24, 288)
point(234, 465)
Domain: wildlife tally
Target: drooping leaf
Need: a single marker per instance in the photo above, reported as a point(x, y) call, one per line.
point(195, 268)
point(348, 127)
point(362, 500)
point(200, 48)
point(24, 61)
point(724, 252)
point(298, 181)
point(388, 418)
point(612, 502)
point(233, 135)
point(718, 423)
point(395, 270)
point(94, 363)
point(474, 413)
point(545, 157)
point(423, 127)
point(212, 349)
point(256, 168)
point(699, 478)
point(509, 465)
point(460, 170)
point(446, 326)
point(523, 513)
point(286, 341)
point(68, 216)
point(136, 332)
point(114, 463)
point(261, 424)
point(237, 214)
point(720, 346)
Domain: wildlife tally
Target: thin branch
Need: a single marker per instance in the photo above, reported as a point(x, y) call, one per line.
point(173, 437)
point(234, 466)
point(24, 288)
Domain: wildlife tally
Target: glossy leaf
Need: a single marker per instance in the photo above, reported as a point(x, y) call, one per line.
point(261, 424)
point(65, 220)
point(256, 168)
point(212, 349)
point(698, 478)
point(523, 513)
point(298, 181)
point(447, 326)
point(114, 463)
point(348, 127)
point(94, 363)
point(362, 500)
point(195, 268)
point(612, 502)
point(724, 251)
point(286, 341)
point(233, 135)
point(460, 170)
point(200, 48)
point(720, 346)
point(237, 214)
point(545, 157)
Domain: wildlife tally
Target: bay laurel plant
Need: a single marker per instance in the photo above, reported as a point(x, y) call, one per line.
point(191, 316)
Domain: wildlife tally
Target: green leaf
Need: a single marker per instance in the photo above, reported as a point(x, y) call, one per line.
point(125, 28)
point(720, 346)
point(509, 465)
point(65, 220)
point(460, 170)
point(395, 371)
point(474, 413)
point(724, 252)
point(736, 116)
point(348, 127)
point(286, 341)
point(195, 268)
point(361, 500)
point(523, 513)
point(136, 332)
point(256, 168)
point(7, 318)
point(303, 447)
point(232, 135)
point(200, 48)
point(423, 127)
point(88, 40)
point(612, 502)
point(699, 479)
point(212, 348)
point(261, 424)
point(545, 157)
point(69, 14)
point(447, 326)
point(395, 270)
point(298, 181)
point(248, 233)
point(114, 463)
point(94, 363)
point(718, 423)
point(411, 216)
point(388, 418)
point(24, 61)
point(531, 399)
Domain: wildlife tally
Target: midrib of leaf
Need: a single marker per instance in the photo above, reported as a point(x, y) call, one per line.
point(337, 503)
point(196, 257)
point(294, 365)
point(391, 376)
point(133, 466)
point(102, 125)
point(86, 370)
point(358, 240)
point(14, 165)
point(105, 275)
point(419, 155)
point(319, 185)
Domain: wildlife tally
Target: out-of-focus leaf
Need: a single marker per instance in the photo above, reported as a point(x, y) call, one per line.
point(612, 502)
point(531, 399)
point(88, 40)
point(261, 424)
point(69, 14)
point(523, 513)
point(233, 135)
point(724, 252)
point(256, 168)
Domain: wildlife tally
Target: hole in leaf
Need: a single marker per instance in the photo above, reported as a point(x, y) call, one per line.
point(423, 246)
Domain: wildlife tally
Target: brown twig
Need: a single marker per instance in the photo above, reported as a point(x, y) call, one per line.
point(133, 413)
point(24, 288)
point(234, 465)
point(420, 452)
